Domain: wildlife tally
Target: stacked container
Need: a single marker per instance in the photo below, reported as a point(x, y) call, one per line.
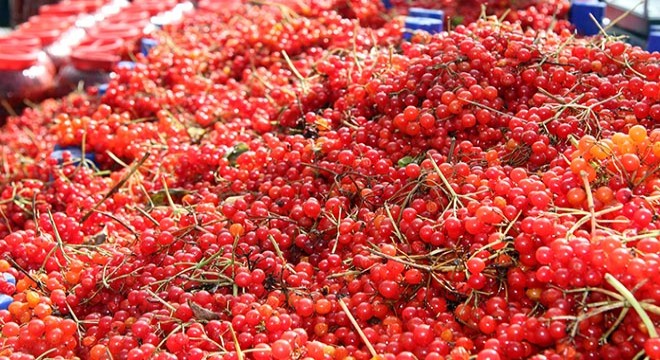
point(429, 20)
point(21, 10)
point(217, 6)
point(26, 71)
point(91, 64)
point(76, 42)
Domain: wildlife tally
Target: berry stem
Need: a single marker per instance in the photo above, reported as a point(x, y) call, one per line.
point(616, 284)
point(590, 201)
point(402, 239)
point(237, 345)
point(358, 329)
point(617, 322)
point(117, 186)
point(303, 81)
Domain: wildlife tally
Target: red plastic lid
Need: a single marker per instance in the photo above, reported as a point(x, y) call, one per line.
point(45, 23)
point(18, 58)
point(65, 9)
point(46, 34)
point(217, 6)
point(219, 2)
point(54, 20)
point(25, 41)
point(128, 16)
point(152, 7)
point(165, 2)
point(114, 31)
point(97, 55)
point(89, 5)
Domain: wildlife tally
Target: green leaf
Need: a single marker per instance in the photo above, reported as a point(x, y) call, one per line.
point(159, 198)
point(235, 151)
point(405, 161)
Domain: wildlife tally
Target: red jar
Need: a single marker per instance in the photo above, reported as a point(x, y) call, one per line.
point(53, 20)
point(63, 9)
point(152, 6)
point(57, 39)
point(129, 15)
point(110, 8)
point(59, 49)
point(21, 10)
point(26, 73)
point(15, 39)
point(217, 6)
point(129, 34)
point(78, 9)
point(45, 32)
point(91, 64)
point(88, 6)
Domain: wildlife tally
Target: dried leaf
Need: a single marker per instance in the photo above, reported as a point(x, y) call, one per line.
point(159, 198)
point(232, 199)
point(99, 238)
point(235, 151)
point(201, 313)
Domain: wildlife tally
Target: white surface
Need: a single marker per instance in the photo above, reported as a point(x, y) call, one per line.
point(653, 7)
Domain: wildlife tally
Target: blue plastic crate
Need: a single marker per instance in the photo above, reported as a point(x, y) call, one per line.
point(146, 45)
point(9, 278)
point(103, 88)
point(130, 65)
point(429, 25)
point(387, 4)
point(579, 16)
point(5, 301)
point(653, 42)
point(426, 13)
point(76, 154)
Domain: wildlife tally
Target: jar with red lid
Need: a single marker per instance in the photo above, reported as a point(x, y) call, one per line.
point(129, 15)
point(95, 10)
point(217, 6)
point(63, 9)
point(91, 65)
point(172, 16)
point(21, 10)
point(129, 34)
point(15, 39)
point(111, 8)
point(26, 73)
point(88, 6)
point(47, 33)
point(57, 39)
point(152, 6)
point(60, 49)
point(52, 20)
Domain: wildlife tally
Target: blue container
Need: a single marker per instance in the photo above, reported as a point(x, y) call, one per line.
point(5, 301)
point(130, 65)
point(653, 43)
point(579, 16)
point(387, 4)
point(146, 45)
point(9, 278)
point(426, 13)
point(76, 154)
point(429, 25)
point(102, 89)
